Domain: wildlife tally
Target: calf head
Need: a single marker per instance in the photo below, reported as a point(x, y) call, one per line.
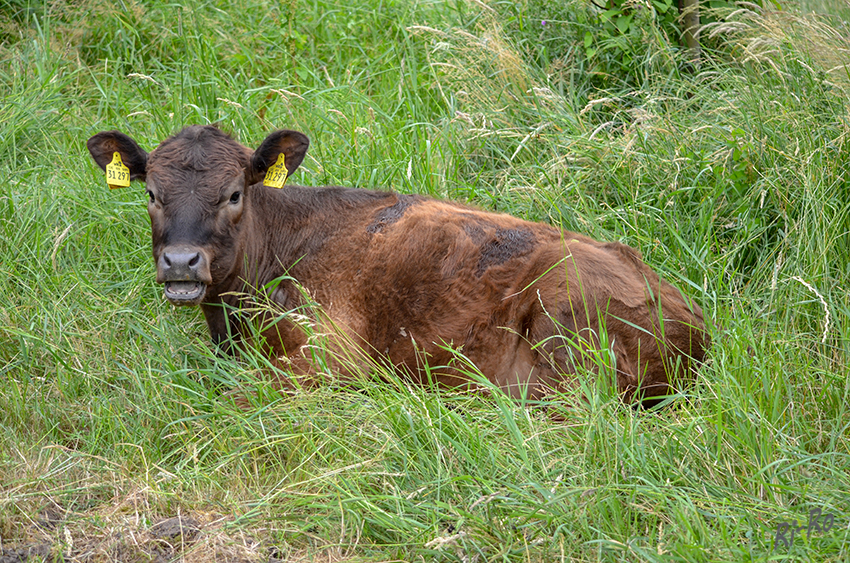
point(199, 186)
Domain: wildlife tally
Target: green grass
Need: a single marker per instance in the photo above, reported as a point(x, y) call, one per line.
point(732, 180)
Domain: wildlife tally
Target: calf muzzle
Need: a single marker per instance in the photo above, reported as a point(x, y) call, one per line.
point(185, 272)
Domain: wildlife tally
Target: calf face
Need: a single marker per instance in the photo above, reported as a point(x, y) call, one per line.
point(198, 188)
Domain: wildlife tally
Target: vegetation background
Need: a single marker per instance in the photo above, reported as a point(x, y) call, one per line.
point(730, 176)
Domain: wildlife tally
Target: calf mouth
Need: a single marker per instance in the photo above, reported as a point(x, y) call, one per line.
point(185, 292)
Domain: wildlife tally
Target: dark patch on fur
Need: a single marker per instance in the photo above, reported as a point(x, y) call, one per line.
point(475, 232)
point(389, 215)
point(506, 244)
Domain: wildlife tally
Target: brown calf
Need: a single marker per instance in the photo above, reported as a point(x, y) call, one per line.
point(402, 278)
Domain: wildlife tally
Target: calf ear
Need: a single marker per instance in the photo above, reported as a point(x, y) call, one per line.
point(103, 145)
point(292, 144)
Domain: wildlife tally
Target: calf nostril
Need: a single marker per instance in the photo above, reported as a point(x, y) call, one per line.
point(167, 260)
point(194, 261)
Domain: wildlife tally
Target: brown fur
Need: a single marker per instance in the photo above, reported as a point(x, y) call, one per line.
point(404, 278)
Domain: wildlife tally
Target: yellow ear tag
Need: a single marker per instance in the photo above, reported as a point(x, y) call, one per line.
point(276, 175)
point(117, 175)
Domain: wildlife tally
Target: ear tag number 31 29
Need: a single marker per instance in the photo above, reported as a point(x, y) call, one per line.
point(276, 175)
point(117, 175)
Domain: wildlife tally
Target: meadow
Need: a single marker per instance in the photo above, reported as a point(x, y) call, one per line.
point(730, 176)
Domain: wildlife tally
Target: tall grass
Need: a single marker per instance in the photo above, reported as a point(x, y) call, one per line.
point(731, 180)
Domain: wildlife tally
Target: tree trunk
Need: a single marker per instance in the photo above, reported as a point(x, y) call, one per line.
point(690, 28)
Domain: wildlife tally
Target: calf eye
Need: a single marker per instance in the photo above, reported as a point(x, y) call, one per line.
point(235, 197)
point(151, 196)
